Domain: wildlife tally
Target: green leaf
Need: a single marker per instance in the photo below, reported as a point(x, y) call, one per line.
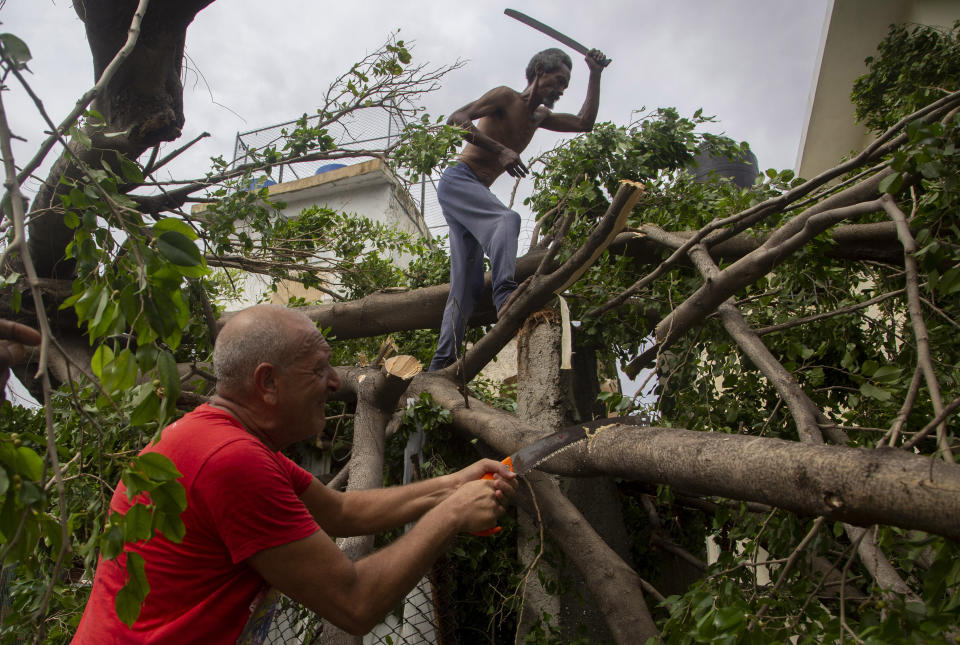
point(146, 406)
point(136, 483)
point(891, 183)
point(78, 199)
point(147, 357)
point(30, 493)
point(728, 617)
point(105, 320)
point(130, 598)
point(88, 297)
point(123, 371)
point(131, 171)
point(949, 282)
point(83, 139)
point(176, 225)
point(52, 535)
point(170, 497)
point(137, 523)
point(157, 467)
point(111, 543)
point(178, 249)
point(170, 525)
point(169, 377)
point(29, 463)
point(874, 392)
point(157, 308)
point(16, 50)
point(9, 517)
point(887, 374)
point(102, 300)
point(101, 360)
point(4, 481)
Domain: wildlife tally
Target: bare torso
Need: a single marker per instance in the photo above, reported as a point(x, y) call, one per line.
point(511, 124)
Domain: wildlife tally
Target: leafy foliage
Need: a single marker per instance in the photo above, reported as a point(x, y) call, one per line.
point(144, 281)
point(914, 66)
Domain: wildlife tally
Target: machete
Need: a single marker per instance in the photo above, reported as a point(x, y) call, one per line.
point(534, 454)
point(550, 31)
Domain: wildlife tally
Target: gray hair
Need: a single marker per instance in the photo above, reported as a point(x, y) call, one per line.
point(255, 335)
point(550, 60)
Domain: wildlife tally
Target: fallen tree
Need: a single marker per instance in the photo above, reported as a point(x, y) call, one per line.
point(804, 364)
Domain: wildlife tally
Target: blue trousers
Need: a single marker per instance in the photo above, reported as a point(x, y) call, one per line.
point(479, 225)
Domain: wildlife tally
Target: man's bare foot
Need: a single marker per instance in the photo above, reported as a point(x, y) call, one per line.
point(513, 296)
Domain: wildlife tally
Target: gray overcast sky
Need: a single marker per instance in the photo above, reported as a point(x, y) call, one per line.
point(253, 64)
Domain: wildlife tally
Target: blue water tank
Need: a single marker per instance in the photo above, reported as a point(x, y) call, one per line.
point(328, 167)
point(259, 182)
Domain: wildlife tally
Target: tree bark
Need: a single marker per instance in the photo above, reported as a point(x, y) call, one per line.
point(142, 105)
point(378, 393)
point(612, 582)
point(549, 397)
point(383, 313)
point(855, 485)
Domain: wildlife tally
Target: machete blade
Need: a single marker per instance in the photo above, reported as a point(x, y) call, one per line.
point(550, 31)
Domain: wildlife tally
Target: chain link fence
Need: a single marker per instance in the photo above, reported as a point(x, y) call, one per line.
point(368, 129)
point(423, 619)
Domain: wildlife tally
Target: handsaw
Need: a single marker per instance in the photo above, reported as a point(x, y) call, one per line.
point(550, 31)
point(533, 454)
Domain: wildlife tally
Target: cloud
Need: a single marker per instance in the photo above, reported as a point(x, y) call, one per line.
point(253, 64)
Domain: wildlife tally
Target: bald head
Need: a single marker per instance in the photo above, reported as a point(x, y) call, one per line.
point(260, 334)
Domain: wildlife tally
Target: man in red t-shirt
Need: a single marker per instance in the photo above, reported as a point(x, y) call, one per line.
point(255, 519)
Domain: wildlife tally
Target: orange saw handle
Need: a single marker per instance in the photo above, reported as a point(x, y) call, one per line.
point(494, 529)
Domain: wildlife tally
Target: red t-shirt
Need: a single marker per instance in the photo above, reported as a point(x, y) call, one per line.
point(241, 498)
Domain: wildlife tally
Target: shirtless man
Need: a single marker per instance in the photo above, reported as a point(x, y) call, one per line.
point(479, 223)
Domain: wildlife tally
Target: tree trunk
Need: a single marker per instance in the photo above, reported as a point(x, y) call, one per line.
point(378, 393)
point(142, 105)
point(548, 397)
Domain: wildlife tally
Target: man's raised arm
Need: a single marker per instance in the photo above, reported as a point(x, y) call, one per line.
point(582, 121)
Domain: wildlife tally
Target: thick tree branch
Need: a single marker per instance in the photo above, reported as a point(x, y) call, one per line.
point(83, 101)
point(774, 251)
point(858, 486)
point(383, 313)
point(924, 361)
point(877, 563)
point(378, 393)
point(612, 582)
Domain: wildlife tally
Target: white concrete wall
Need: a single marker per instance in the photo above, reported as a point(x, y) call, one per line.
point(368, 189)
point(852, 31)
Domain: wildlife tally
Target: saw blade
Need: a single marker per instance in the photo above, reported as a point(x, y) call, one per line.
point(534, 454)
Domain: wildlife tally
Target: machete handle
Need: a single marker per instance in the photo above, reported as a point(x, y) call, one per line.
point(495, 529)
